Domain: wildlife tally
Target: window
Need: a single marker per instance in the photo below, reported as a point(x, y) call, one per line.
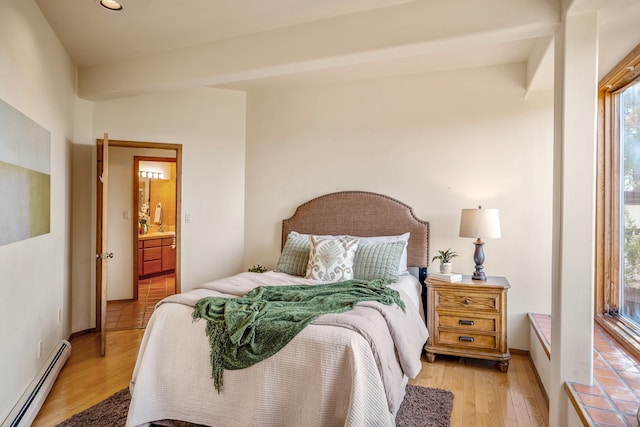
point(618, 203)
point(629, 141)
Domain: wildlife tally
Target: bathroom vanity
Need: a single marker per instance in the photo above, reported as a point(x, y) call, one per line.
point(156, 253)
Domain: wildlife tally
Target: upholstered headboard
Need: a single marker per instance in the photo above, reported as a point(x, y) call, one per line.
point(363, 214)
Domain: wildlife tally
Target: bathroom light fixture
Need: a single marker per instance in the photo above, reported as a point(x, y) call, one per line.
point(479, 223)
point(110, 4)
point(149, 174)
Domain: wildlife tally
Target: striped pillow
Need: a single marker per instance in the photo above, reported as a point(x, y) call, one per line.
point(295, 255)
point(378, 261)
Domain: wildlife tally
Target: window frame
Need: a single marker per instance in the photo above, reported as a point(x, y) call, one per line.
point(608, 203)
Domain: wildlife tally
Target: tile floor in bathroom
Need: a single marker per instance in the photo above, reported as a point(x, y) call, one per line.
point(127, 314)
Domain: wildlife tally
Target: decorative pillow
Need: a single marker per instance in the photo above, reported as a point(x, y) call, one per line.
point(295, 255)
point(331, 260)
point(402, 266)
point(378, 261)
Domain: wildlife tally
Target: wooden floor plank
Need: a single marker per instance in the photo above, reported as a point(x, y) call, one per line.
point(455, 373)
point(519, 393)
point(535, 416)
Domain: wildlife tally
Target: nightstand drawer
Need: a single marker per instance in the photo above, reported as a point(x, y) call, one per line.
point(461, 339)
point(456, 300)
point(489, 324)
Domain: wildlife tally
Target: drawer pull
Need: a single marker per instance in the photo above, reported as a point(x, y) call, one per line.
point(466, 301)
point(463, 338)
point(465, 322)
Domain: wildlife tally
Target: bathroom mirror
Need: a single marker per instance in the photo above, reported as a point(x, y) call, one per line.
point(157, 193)
point(143, 191)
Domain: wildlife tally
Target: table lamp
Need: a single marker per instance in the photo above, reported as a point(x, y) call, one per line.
point(479, 223)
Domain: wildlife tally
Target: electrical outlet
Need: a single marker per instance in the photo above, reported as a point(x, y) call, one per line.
point(187, 218)
point(125, 214)
point(39, 349)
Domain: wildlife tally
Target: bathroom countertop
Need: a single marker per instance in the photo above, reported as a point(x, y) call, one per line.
point(156, 234)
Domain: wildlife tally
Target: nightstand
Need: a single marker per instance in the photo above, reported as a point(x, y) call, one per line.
point(468, 319)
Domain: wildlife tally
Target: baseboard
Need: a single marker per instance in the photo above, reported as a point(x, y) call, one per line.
point(26, 409)
point(83, 332)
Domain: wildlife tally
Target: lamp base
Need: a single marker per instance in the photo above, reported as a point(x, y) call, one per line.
point(479, 275)
point(478, 258)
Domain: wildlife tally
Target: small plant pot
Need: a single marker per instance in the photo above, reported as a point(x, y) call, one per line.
point(445, 268)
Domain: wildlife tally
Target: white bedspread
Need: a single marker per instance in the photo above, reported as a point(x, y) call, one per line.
point(343, 369)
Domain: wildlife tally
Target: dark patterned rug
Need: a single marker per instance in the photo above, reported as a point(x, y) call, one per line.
point(422, 407)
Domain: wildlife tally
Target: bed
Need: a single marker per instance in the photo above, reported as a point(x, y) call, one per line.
point(346, 368)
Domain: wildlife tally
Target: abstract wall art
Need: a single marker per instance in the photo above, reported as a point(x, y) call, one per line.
point(25, 176)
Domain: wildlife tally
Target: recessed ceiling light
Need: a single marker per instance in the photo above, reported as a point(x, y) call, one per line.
point(110, 4)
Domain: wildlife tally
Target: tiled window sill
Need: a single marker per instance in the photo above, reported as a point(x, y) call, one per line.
point(614, 397)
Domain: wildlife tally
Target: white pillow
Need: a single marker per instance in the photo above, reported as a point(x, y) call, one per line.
point(331, 260)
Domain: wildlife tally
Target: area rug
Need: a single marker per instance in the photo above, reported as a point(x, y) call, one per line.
point(425, 407)
point(422, 407)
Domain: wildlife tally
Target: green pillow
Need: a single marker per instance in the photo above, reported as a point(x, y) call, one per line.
point(295, 255)
point(378, 261)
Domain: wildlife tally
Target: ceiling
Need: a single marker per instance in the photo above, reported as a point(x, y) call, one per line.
point(242, 44)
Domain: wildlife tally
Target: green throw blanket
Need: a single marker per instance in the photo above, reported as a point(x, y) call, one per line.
point(243, 331)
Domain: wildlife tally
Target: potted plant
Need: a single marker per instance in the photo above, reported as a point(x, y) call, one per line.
point(143, 228)
point(445, 260)
point(257, 269)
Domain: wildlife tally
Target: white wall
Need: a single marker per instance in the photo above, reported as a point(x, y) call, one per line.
point(439, 142)
point(210, 125)
point(38, 79)
point(83, 214)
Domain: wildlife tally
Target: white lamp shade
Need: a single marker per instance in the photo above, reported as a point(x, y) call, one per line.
point(480, 223)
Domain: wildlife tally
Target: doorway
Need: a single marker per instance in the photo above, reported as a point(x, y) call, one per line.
point(155, 242)
point(167, 226)
point(154, 245)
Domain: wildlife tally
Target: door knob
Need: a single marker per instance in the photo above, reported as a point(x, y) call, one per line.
point(105, 255)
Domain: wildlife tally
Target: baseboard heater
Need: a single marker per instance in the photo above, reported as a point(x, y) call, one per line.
point(25, 411)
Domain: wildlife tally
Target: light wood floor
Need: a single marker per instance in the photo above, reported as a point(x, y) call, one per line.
point(87, 378)
point(483, 395)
